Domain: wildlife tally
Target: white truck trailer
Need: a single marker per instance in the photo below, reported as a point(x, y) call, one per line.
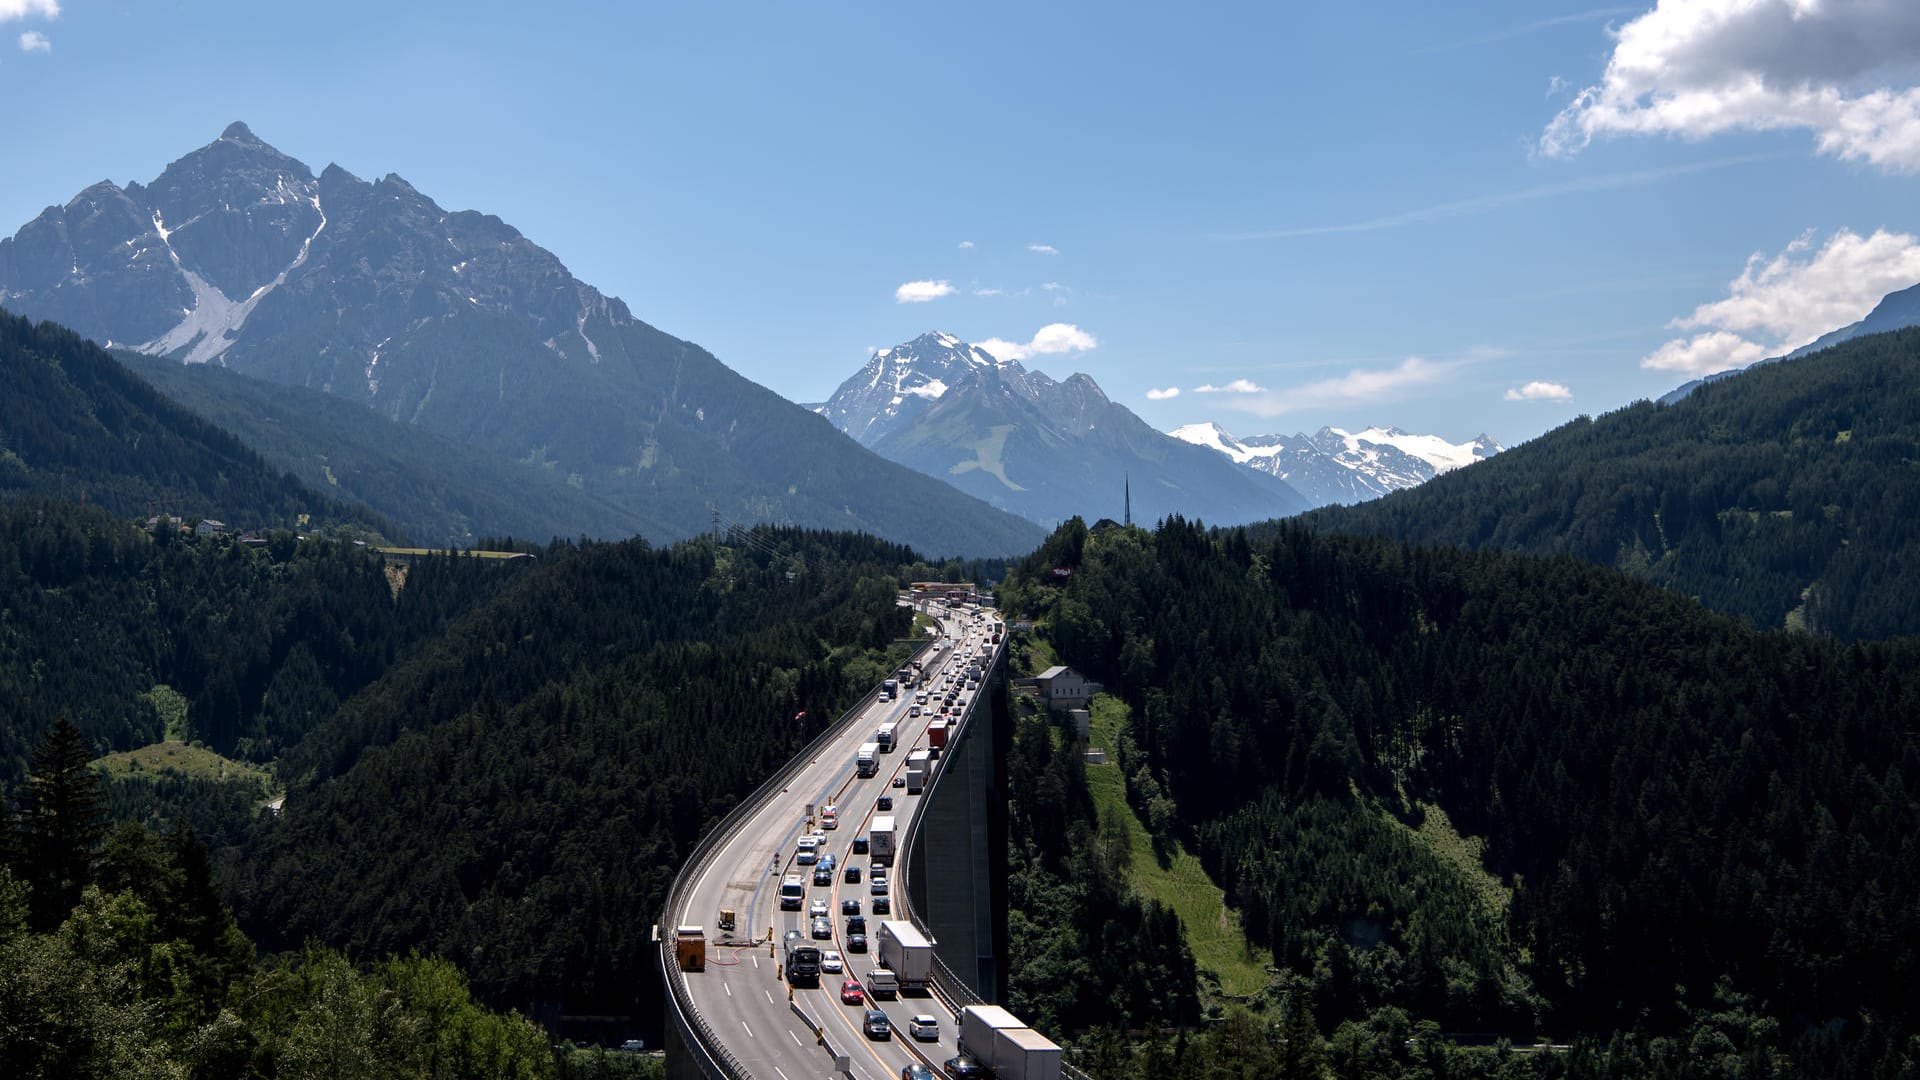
point(977, 1025)
point(919, 765)
point(880, 837)
point(905, 951)
point(1023, 1054)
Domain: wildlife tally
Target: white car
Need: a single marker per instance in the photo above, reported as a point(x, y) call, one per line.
point(921, 1026)
point(832, 964)
point(817, 907)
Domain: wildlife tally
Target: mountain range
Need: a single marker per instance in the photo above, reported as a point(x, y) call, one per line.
point(237, 254)
point(1336, 466)
point(1043, 449)
point(1895, 311)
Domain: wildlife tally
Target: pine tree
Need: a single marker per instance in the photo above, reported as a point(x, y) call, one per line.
point(62, 822)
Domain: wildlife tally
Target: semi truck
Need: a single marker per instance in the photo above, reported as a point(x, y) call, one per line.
point(866, 761)
point(937, 733)
point(1023, 1054)
point(905, 951)
point(919, 766)
point(885, 736)
point(977, 1025)
point(880, 837)
point(889, 689)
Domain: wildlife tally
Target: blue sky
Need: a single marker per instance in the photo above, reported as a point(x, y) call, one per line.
point(1450, 218)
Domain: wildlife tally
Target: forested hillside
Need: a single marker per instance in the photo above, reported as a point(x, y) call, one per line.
point(1789, 495)
point(76, 424)
point(518, 796)
point(1515, 795)
point(242, 648)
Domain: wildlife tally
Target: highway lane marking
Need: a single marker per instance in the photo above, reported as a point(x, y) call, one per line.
point(750, 1033)
point(769, 994)
point(795, 1038)
point(724, 985)
point(783, 1076)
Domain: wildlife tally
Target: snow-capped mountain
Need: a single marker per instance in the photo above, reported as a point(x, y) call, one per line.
point(239, 255)
point(1336, 466)
point(1043, 449)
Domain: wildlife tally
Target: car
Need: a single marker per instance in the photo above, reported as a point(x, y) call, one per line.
point(915, 1071)
point(856, 924)
point(852, 875)
point(898, 781)
point(851, 994)
point(828, 861)
point(832, 963)
point(817, 908)
point(851, 905)
point(924, 1026)
point(882, 906)
point(876, 1025)
point(856, 943)
point(878, 888)
point(793, 936)
point(964, 1068)
point(634, 1046)
point(822, 876)
point(885, 802)
point(859, 845)
point(822, 928)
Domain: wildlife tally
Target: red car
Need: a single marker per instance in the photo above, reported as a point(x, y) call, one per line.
point(851, 994)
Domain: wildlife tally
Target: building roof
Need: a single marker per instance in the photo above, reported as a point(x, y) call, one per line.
point(1054, 672)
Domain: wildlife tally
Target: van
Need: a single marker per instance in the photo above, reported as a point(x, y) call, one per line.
point(793, 893)
point(882, 983)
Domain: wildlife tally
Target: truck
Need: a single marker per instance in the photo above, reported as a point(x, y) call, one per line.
point(937, 733)
point(919, 767)
point(866, 761)
point(793, 893)
point(885, 736)
point(889, 689)
point(1023, 1054)
point(905, 951)
point(977, 1025)
point(880, 837)
point(803, 962)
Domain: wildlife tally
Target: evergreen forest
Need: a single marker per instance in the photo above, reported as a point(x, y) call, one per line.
point(1504, 798)
point(1788, 495)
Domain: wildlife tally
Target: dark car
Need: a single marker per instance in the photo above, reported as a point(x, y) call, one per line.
point(856, 943)
point(877, 1026)
point(859, 845)
point(856, 924)
point(886, 801)
point(882, 906)
point(898, 781)
point(822, 875)
point(964, 1067)
point(850, 906)
point(822, 928)
point(852, 875)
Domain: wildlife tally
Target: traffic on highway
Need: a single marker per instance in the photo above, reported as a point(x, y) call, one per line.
point(792, 942)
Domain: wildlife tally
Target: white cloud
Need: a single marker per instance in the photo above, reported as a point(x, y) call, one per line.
point(1168, 394)
point(1538, 390)
point(1777, 305)
point(1361, 386)
point(1051, 338)
point(988, 292)
point(1556, 84)
point(1237, 386)
point(1052, 286)
point(20, 9)
point(966, 245)
point(1698, 68)
point(919, 292)
point(1043, 249)
point(35, 41)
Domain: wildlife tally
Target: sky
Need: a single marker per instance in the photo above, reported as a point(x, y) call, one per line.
point(1450, 218)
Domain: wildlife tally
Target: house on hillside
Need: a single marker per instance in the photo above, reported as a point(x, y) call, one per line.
point(1061, 687)
point(209, 527)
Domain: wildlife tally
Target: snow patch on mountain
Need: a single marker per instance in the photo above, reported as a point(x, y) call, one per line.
point(1337, 466)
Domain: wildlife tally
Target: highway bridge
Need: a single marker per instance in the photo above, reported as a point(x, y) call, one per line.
point(738, 1018)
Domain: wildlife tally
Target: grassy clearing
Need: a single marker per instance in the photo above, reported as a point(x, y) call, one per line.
point(1212, 928)
point(1466, 854)
point(185, 759)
